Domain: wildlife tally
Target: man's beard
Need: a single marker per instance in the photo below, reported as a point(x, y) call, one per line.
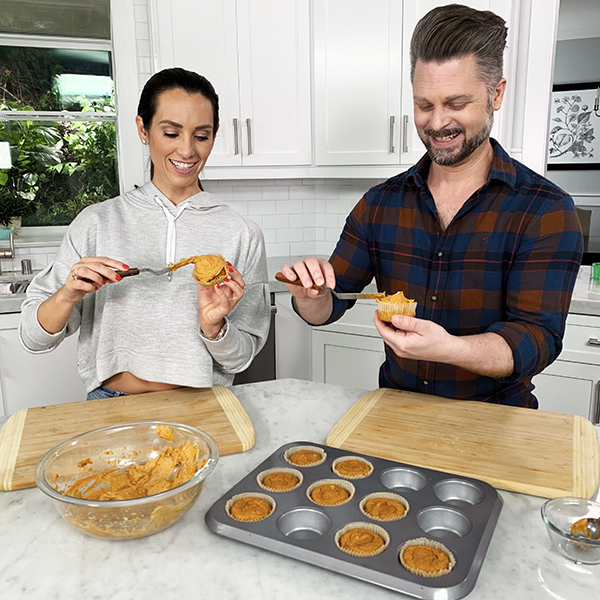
point(447, 157)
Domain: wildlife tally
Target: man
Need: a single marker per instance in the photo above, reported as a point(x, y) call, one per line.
point(489, 249)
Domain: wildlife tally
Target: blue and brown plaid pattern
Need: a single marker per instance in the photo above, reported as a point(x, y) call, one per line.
point(507, 264)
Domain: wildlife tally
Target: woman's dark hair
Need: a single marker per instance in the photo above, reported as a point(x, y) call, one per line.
point(176, 78)
point(454, 31)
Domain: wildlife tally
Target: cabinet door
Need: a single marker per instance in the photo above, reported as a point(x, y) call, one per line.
point(412, 147)
point(357, 66)
point(348, 360)
point(201, 35)
point(570, 388)
point(274, 71)
point(28, 380)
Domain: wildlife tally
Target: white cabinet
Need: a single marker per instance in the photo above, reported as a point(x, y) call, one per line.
point(572, 383)
point(350, 351)
point(256, 53)
point(28, 380)
point(362, 89)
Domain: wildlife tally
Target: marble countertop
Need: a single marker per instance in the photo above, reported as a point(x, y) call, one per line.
point(42, 556)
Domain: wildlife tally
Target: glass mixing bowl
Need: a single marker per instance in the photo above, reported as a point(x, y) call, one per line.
point(558, 515)
point(120, 446)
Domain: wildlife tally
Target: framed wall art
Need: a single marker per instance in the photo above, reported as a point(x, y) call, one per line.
point(574, 139)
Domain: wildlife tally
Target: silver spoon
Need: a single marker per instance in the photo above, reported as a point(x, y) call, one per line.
point(592, 529)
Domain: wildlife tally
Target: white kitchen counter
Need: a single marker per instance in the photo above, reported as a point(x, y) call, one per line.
point(42, 556)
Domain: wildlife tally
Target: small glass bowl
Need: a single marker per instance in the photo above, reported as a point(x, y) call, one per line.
point(120, 446)
point(559, 514)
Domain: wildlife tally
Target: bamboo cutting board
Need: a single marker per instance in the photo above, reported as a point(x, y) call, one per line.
point(31, 432)
point(516, 449)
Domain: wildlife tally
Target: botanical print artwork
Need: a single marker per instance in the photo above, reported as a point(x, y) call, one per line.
point(573, 128)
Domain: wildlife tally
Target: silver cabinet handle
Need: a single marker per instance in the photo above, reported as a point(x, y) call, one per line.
point(392, 124)
point(595, 408)
point(405, 134)
point(249, 127)
point(593, 342)
point(236, 144)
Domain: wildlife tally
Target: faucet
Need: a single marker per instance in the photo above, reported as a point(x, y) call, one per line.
point(9, 254)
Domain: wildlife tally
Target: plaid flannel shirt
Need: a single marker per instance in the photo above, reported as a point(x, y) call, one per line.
point(507, 264)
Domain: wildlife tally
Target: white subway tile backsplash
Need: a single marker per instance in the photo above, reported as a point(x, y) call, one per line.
point(289, 235)
point(324, 248)
point(248, 194)
point(262, 207)
point(325, 220)
point(276, 192)
point(276, 221)
point(278, 249)
point(302, 249)
point(289, 207)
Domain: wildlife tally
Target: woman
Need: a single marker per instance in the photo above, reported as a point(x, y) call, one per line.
point(149, 333)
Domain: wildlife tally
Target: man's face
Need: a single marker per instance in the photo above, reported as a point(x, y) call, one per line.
point(454, 113)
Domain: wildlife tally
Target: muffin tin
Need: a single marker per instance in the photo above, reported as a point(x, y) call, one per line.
point(459, 512)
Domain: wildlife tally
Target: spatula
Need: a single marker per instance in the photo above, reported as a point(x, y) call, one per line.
point(340, 295)
point(136, 271)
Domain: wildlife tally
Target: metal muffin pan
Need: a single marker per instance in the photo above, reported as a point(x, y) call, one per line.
point(459, 512)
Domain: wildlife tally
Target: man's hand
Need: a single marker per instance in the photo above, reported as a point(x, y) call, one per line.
point(314, 305)
point(485, 354)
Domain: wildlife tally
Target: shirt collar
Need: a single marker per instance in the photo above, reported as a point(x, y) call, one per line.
point(502, 168)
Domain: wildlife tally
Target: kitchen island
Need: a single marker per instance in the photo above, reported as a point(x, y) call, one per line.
point(42, 556)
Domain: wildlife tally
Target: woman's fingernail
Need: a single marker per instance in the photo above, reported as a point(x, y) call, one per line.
point(118, 278)
point(218, 286)
point(103, 281)
point(125, 266)
point(230, 270)
point(228, 263)
point(96, 288)
point(227, 278)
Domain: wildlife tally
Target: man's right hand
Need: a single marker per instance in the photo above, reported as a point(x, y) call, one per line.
point(314, 305)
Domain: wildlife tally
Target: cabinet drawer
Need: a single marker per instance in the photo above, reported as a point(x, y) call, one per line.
point(357, 321)
point(581, 344)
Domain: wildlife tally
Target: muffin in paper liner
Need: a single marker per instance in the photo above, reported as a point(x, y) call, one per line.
point(290, 451)
point(261, 477)
point(431, 544)
point(380, 531)
point(340, 483)
point(396, 304)
point(355, 459)
point(386, 496)
point(258, 495)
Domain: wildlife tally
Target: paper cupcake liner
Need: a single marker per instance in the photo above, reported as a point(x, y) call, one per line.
point(388, 496)
point(261, 476)
point(371, 527)
point(337, 461)
point(432, 544)
point(291, 451)
point(386, 310)
point(237, 497)
point(346, 485)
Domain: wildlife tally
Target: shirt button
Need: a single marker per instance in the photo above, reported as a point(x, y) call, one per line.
point(425, 382)
point(440, 254)
point(434, 297)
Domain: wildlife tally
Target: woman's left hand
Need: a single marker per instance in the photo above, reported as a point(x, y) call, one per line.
point(217, 302)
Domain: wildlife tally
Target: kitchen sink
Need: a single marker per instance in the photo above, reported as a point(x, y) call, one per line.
point(8, 288)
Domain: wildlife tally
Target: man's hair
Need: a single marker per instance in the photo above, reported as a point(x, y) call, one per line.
point(456, 31)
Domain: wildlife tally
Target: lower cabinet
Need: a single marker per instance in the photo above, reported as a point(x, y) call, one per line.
point(28, 380)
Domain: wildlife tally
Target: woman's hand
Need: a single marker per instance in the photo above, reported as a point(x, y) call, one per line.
point(217, 302)
point(89, 275)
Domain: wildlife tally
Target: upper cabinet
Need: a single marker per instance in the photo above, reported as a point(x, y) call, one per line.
point(257, 55)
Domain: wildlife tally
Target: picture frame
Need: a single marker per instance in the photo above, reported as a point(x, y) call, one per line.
point(574, 136)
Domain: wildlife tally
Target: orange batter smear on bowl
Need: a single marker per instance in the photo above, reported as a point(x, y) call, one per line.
point(209, 269)
point(172, 467)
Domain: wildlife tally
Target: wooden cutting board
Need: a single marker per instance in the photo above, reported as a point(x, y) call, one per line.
point(31, 432)
point(516, 449)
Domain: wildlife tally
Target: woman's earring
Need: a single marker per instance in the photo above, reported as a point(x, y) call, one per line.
point(145, 142)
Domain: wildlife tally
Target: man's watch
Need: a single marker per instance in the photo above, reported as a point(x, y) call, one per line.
point(219, 335)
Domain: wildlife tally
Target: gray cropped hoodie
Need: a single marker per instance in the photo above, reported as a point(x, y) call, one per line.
point(145, 324)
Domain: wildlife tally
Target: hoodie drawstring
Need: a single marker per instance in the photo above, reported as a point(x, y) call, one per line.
point(171, 230)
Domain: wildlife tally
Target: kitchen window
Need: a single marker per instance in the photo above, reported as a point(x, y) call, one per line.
point(57, 108)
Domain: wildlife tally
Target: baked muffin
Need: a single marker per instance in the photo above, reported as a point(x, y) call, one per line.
point(250, 507)
point(279, 480)
point(362, 539)
point(426, 558)
point(209, 269)
point(352, 467)
point(305, 456)
point(330, 492)
point(384, 506)
point(396, 304)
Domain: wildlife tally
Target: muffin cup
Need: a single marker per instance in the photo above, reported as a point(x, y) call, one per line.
point(388, 496)
point(337, 461)
point(371, 527)
point(386, 310)
point(261, 476)
point(346, 485)
point(432, 544)
point(237, 497)
point(291, 451)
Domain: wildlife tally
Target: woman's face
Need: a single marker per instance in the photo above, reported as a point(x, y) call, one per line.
point(180, 139)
